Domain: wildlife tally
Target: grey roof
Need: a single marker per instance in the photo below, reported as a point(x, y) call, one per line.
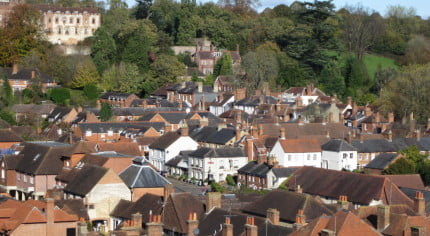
point(222, 136)
point(25, 74)
point(118, 127)
point(115, 96)
point(182, 156)
point(337, 145)
point(85, 180)
point(256, 100)
point(142, 176)
point(171, 117)
point(255, 169)
point(128, 111)
point(410, 192)
point(374, 145)
point(217, 152)
point(284, 171)
point(202, 134)
point(382, 161)
point(59, 112)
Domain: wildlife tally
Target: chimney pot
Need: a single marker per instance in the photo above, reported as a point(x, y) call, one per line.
point(419, 204)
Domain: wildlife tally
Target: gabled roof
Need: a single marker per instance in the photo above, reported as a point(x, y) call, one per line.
point(26, 74)
point(142, 176)
point(337, 145)
point(8, 135)
point(374, 145)
point(165, 141)
point(42, 158)
point(171, 117)
point(344, 223)
point(11, 161)
point(300, 145)
point(255, 169)
point(222, 136)
point(85, 180)
point(59, 112)
point(146, 205)
point(408, 181)
point(359, 188)
point(73, 206)
point(382, 161)
point(283, 172)
point(288, 204)
point(205, 152)
point(202, 134)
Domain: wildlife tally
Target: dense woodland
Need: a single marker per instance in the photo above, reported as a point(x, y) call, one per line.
point(376, 59)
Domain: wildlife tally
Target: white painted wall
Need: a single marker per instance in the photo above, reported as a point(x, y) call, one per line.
point(339, 160)
point(218, 167)
point(273, 182)
point(295, 159)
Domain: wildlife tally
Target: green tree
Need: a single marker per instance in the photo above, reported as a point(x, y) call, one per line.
point(103, 50)
point(91, 91)
point(105, 113)
point(400, 167)
point(22, 33)
point(7, 116)
point(60, 96)
point(86, 74)
point(260, 66)
point(332, 80)
point(6, 96)
point(167, 68)
point(224, 65)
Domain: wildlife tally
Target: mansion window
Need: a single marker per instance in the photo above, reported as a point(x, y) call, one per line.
point(59, 30)
point(56, 20)
point(78, 20)
point(94, 20)
point(71, 20)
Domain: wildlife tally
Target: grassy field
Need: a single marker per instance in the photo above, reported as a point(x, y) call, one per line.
point(374, 62)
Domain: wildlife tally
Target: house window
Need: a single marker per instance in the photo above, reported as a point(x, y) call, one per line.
point(3, 174)
point(18, 176)
point(71, 20)
point(315, 157)
point(56, 20)
point(25, 178)
point(31, 180)
point(49, 20)
point(289, 157)
point(345, 155)
point(76, 31)
point(94, 20)
point(309, 157)
point(88, 133)
point(78, 20)
point(110, 133)
point(351, 155)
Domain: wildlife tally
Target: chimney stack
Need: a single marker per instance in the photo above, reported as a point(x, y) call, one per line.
point(283, 132)
point(300, 219)
point(238, 117)
point(168, 189)
point(14, 68)
point(273, 216)
point(309, 89)
point(192, 224)
point(167, 128)
point(250, 149)
point(137, 220)
point(377, 117)
point(33, 74)
point(261, 157)
point(367, 110)
point(238, 133)
point(420, 204)
point(171, 95)
point(299, 102)
point(50, 216)
point(250, 227)
point(383, 217)
point(391, 117)
point(260, 130)
point(239, 94)
point(154, 227)
point(343, 202)
point(354, 108)
point(390, 136)
point(418, 134)
point(349, 101)
point(184, 129)
point(227, 229)
point(200, 87)
point(213, 199)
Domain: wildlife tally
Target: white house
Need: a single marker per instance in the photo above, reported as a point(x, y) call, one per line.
point(222, 104)
point(337, 154)
point(215, 163)
point(168, 146)
point(276, 176)
point(297, 152)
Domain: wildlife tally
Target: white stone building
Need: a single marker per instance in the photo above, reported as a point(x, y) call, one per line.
point(297, 152)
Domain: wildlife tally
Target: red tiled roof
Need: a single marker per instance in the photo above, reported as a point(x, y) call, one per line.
point(300, 145)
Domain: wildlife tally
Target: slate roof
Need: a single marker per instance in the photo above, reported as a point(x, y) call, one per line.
point(256, 101)
point(85, 180)
point(295, 130)
point(359, 188)
point(255, 169)
point(210, 224)
point(59, 112)
point(382, 161)
point(8, 135)
point(374, 145)
point(42, 158)
point(203, 133)
point(115, 96)
point(142, 176)
point(165, 141)
point(55, 8)
point(25, 74)
point(182, 156)
point(205, 152)
point(128, 111)
point(42, 109)
point(410, 192)
point(171, 117)
point(288, 204)
point(283, 172)
point(11, 161)
point(73, 206)
point(222, 136)
point(337, 145)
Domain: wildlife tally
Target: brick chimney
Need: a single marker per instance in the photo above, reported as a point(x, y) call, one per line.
point(227, 229)
point(258, 92)
point(300, 219)
point(238, 117)
point(260, 129)
point(15, 68)
point(420, 204)
point(250, 149)
point(343, 202)
point(171, 95)
point(238, 133)
point(282, 131)
point(180, 105)
point(184, 129)
point(168, 189)
point(299, 102)
point(354, 108)
point(349, 101)
point(240, 94)
point(154, 227)
point(137, 220)
point(383, 217)
point(250, 227)
point(192, 224)
point(33, 74)
point(213, 199)
point(341, 118)
point(167, 128)
point(49, 211)
point(309, 89)
point(377, 117)
point(261, 157)
point(273, 216)
point(367, 111)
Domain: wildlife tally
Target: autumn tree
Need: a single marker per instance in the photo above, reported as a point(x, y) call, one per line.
point(22, 33)
point(86, 74)
point(167, 68)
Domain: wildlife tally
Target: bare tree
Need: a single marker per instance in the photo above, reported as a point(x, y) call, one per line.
point(360, 29)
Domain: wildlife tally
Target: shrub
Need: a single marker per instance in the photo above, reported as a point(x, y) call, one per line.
point(230, 180)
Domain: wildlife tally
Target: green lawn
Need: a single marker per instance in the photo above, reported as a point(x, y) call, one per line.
point(374, 62)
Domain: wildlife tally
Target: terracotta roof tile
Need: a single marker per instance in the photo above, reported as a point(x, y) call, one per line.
point(300, 145)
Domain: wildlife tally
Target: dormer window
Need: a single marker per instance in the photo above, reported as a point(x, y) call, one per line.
point(88, 133)
point(67, 163)
point(35, 158)
point(110, 133)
